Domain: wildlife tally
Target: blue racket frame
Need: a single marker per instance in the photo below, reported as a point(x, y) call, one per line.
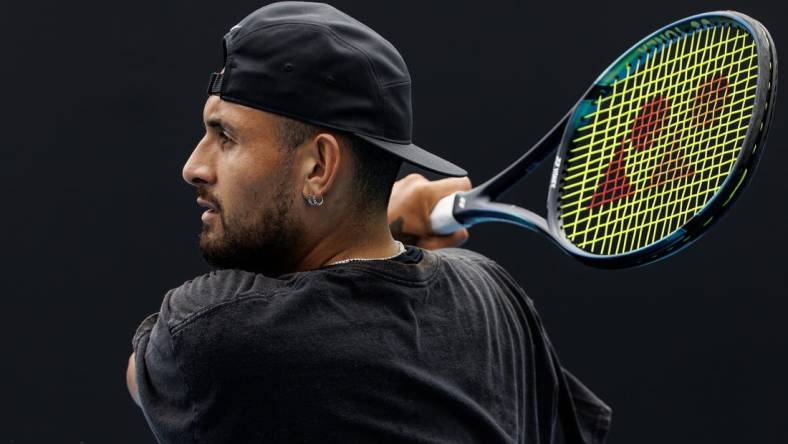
point(479, 204)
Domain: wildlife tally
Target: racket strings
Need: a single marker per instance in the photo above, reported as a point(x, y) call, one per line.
point(660, 142)
point(681, 103)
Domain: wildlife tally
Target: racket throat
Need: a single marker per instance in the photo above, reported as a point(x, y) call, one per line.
point(471, 209)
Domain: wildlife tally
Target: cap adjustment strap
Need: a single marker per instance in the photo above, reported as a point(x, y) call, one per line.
point(215, 84)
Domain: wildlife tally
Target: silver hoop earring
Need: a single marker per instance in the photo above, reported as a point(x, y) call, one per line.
point(314, 201)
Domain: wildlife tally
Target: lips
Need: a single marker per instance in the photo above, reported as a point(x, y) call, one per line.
point(204, 203)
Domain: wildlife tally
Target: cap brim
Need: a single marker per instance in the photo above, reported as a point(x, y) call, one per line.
point(420, 157)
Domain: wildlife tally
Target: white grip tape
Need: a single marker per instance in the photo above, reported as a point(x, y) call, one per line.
point(442, 220)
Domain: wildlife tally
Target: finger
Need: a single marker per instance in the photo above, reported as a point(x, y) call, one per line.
point(431, 243)
point(459, 237)
point(444, 187)
point(454, 239)
point(413, 178)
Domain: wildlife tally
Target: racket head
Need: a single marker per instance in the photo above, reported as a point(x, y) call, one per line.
point(664, 141)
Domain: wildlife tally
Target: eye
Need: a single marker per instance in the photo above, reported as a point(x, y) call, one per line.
point(223, 138)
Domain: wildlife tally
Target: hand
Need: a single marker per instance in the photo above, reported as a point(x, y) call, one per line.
point(412, 199)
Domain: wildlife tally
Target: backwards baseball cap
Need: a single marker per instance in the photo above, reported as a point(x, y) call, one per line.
point(314, 63)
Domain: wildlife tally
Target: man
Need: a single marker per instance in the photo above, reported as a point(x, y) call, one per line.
point(318, 325)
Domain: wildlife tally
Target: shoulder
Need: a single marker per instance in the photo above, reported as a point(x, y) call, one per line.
point(462, 255)
point(242, 294)
point(466, 262)
point(225, 316)
point(213, 290)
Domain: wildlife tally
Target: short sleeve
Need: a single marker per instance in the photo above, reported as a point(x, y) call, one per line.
point(176, 366)
point(593, 415)
point(164, 395)
point(144, 329)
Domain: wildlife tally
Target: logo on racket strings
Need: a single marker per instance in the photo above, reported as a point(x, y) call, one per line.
point(646, 130)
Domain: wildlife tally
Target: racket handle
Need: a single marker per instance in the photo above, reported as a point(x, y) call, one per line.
point(442, 219)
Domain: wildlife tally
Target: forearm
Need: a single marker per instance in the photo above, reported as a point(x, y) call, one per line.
point(396, 232)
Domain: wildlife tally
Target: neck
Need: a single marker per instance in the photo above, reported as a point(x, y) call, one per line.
point(369, 240)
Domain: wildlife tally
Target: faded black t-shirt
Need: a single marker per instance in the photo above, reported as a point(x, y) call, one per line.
point(430, 347)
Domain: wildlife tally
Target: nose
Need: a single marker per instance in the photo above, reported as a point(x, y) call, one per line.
point(198, 169)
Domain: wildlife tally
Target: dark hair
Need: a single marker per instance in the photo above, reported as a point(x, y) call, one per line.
point(376, 169)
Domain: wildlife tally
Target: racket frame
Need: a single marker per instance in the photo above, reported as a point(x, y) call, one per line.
point(480, 203)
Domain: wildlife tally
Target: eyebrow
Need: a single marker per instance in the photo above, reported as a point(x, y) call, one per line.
point(220, 125)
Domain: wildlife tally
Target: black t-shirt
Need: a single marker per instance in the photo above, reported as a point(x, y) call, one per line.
point(435, 346)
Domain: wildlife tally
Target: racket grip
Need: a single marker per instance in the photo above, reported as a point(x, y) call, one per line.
point(442, 219)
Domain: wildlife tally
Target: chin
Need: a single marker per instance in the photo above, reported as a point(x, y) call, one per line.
point(208, 239)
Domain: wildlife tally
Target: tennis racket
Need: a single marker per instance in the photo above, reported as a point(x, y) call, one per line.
point(653, 153)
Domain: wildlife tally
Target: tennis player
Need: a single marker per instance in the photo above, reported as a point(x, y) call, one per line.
point(319, 324)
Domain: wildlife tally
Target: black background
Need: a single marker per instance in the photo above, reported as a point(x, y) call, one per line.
point(102, 106)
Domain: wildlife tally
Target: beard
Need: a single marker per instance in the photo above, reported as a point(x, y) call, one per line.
point(264, 245)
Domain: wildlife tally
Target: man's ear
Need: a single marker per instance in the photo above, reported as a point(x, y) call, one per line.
point(321, 165)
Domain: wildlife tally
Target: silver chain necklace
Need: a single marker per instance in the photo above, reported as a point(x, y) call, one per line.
point(400, 250)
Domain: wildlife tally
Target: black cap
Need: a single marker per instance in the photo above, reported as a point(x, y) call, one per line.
point(312, 62)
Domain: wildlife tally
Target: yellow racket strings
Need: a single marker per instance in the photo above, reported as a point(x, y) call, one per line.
point(660, 143)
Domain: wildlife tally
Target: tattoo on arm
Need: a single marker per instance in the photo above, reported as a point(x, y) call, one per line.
point(398, 234)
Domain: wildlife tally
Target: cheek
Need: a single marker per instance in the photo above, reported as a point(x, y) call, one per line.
point(254, 184)
point(245, 199)
point(253, 196)
point(238, 182)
